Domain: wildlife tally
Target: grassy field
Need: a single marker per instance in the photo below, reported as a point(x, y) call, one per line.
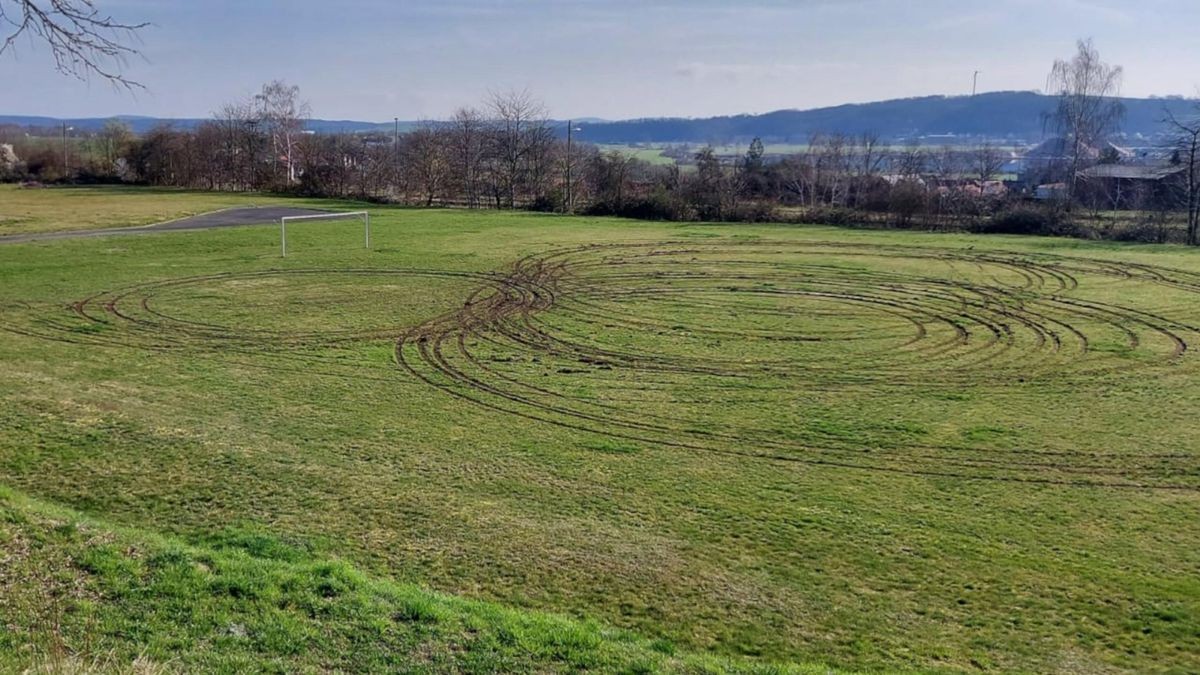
point(55, 209)
point(761, 444)
point(647, 153)
point(245, 600)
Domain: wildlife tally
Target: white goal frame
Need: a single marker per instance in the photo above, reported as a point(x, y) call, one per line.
point(366, 218)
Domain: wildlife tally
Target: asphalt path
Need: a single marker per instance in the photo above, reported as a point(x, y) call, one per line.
point(259, 215)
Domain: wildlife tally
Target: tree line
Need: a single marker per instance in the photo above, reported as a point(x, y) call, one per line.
point(503, 154)
point(507, 154)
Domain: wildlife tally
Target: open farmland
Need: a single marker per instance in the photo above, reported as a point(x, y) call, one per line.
point(700, 446)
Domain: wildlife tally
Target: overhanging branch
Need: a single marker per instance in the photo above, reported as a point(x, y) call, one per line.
point(83, 41)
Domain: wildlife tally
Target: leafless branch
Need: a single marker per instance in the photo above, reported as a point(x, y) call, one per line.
point(83, 41)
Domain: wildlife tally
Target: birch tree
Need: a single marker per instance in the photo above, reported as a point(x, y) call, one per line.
point(284, 113)
point(1088, 110)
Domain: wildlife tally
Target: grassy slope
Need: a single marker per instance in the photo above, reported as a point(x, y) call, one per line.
point(82, 595)
point(56, 209)
point(809, 564)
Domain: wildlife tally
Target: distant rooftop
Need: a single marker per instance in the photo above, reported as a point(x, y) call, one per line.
point(1131, 171)
point(1059, 147)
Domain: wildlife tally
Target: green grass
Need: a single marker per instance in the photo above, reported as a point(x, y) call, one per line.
point(733, 442)
point(243, 599)
point(652, 154)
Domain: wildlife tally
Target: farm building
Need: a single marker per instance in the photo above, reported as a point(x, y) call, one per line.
point(1130, 186)
point(1050, 159)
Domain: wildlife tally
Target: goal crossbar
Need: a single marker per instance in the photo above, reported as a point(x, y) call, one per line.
point(366, 218)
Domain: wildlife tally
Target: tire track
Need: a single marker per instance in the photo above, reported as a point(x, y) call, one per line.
point(663, 342)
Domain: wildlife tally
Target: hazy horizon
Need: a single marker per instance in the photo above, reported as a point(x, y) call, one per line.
point(373, 60)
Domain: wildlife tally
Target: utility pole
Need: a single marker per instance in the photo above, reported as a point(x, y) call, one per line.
point(64, 139)
point(396, 150)
point(570, 205)
point(251, 136)
point(570, 125)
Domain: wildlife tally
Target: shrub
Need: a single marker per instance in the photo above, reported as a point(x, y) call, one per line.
point(832, 215)
point(752, 212)
point(659, 205)
point(551, 203)
point(1028, 220)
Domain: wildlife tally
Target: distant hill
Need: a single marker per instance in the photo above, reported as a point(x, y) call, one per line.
point(141, 125)
point(1002, 115)
point(1011, 115)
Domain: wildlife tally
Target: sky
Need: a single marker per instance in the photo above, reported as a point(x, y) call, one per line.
point(614, 59)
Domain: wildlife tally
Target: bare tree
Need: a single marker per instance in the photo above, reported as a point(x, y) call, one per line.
point(608, 179)
point(82, 40)
point(868, 155)
point(113, 139)
point(426, 159)
point(947, 168)
point(1088, 110)
point(796, 178)
point(240, 127)
point(213, 165)
point(160, 157)
point(910, 162)
point(832, 167)
point(908, 194)
point(521, 140)
point(1186, 141)
point(866, 162)
point(284, 113)
point(948, 165)
point(468, 142)
point(986, 160)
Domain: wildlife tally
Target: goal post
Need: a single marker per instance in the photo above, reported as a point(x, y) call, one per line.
point(366, 218)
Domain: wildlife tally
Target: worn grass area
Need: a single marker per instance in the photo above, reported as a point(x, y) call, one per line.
point(873, 450)
point(82, 596)
point(55, 209)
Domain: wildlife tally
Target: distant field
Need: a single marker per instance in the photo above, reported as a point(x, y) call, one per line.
point(655, 153)
point(712, 447)
point(792, 149)
point(768, 148)
point(651, 154)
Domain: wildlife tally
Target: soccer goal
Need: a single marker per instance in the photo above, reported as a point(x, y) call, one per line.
point(283, 222)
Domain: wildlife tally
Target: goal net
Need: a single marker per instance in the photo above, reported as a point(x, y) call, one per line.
point(361, 215)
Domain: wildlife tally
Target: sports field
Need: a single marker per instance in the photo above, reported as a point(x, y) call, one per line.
point(36, 211)
point(524, 441)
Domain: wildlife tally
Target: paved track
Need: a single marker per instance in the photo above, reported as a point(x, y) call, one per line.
point(225, 218)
